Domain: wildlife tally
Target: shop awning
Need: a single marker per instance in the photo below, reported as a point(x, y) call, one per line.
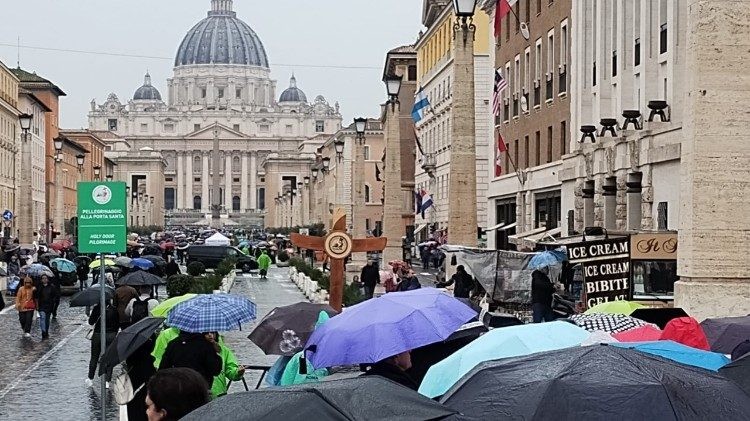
point(515, 238)
point(507, 227)
point(496, 227)
point(420, 228)
point(546, 234)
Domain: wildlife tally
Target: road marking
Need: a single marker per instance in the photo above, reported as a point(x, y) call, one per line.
point(9, 388)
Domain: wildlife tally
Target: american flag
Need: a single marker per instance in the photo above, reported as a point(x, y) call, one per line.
point(497, 92)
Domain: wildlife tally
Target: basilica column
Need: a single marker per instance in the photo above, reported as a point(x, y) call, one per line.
point(189, 180)
point(228, 181)
point(205, 179)
point(243, 183)
point(180, 181)
point(253, 181)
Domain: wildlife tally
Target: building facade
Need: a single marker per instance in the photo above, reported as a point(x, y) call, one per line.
point(221, 80)
point(9, 132)
point(30, 104)
point(434, 73)
point(524, 198)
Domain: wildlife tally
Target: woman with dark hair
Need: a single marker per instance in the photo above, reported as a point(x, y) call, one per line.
point(173, 393)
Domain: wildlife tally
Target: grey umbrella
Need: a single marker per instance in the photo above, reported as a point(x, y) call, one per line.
point(90, 296)
point(725, 333)
point(285, 330)
point(360, 398)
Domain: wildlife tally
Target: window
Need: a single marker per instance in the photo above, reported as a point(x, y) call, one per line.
point(196, 127)
point(505, 213)
point(366, 152)
point(538, 7)
point(538, 149)
point(112, 124)
point(562, 85)
point(526, 148)
point(549, 144)
point(368, 199)
point(261, 197)
point(563, 138)
point(289, 129)
point(593, 76)
point(320, 126)
point(412, 73)
point(550, 62)
point(547, 210)
point(221, 93)
point(238, 93)
point(169, 127)
point(614, 63)
point(526, 71)
point(515, 152)
point(662, 216)
point(203, 92)
point(236, 127)
point(197, 202)
point(662, 26)
point(637, 52)
point(197, 179)
point(169, 201)
point(235, 203)
point(264, 128)
point(144, 127)
point(527, 9)
point(637, 32)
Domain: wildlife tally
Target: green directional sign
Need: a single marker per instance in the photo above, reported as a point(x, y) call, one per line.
point(102, 217)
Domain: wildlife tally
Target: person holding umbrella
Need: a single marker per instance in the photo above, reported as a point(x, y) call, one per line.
point(394, 368)
point(111, 328)
point(198, 351)
point(541, 296)
point(47, 297)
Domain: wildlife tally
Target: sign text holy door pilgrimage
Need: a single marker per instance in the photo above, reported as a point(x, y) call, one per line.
point(606, 269)
point(102, 217)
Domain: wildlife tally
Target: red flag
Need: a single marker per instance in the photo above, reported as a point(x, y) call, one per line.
point(501, 148)
point(501, 10)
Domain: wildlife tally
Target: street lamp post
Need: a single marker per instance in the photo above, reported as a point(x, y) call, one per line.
point(59, 202)
point(97, 172)
point(462, 211)
point(358, 207)
point(300, 202)
point(306, 212)
point(25, 195)
point(393, 225)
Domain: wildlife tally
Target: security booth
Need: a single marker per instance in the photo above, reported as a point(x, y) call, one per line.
point(653, 258)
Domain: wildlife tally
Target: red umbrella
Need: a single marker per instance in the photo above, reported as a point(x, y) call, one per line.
point(686, 331)
point(60, 245)
point(640, 334)
point(167, 245)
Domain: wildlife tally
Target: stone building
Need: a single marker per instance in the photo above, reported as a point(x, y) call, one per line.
point(30, 104)
point(525, 192)
point(49, 94)
point(9, 133)
point(434, 73)
point(221, 81)
point(95, 147)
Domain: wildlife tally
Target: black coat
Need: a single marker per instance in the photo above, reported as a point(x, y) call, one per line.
point(46, 297)
point(391, 372)
point(541, 289)
point(192, 350)
point(370, 275)
point(113, 320)
point(464, 284)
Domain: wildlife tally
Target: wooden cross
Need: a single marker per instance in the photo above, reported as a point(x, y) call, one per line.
point(338, 245)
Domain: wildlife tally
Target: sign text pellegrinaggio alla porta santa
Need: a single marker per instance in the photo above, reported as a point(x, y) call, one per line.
point(606, 269)
point(102, 217)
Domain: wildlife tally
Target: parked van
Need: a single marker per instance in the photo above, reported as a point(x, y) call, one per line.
point(211, 256)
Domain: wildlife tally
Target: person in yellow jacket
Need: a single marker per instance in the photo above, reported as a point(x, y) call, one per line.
point(231, 370)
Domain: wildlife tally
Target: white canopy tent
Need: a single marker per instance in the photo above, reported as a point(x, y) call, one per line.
point(217, 240)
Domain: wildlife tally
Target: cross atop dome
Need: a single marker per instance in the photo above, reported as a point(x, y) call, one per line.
point(221, 7)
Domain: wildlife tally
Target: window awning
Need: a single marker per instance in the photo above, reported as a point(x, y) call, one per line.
point(496, 227)
point(516, 238)
point(420, 228)
point(539, 237)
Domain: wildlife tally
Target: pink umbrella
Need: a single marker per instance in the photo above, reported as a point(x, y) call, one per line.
point(640, 334)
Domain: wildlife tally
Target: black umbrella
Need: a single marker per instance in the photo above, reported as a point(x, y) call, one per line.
point(12, 248)
point(423, 358)
point(47, 257)
point(739, 372)
point(90, 296)
point(129, 340)
point(82, 261)
point(139, 277)
point(658, 316)
point(361, 398)
point(285, 330)
point(151, 250)
point(725, 333)
point(596, 382)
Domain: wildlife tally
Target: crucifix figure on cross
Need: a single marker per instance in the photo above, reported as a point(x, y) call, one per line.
point(338, 245)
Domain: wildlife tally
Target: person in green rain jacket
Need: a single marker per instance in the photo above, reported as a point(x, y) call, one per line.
point(264, 262)
point(231, 370)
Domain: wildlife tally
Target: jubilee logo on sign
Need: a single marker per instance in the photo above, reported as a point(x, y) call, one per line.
point(102, 217)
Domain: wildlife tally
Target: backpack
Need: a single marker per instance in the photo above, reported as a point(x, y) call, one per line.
point(140, 310)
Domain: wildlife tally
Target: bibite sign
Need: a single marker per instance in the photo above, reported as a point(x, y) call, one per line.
point(102, 217)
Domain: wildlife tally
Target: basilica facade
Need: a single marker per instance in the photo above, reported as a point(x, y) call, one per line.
point(221, 91)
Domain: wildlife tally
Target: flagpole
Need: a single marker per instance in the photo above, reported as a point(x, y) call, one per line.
point(510, 159)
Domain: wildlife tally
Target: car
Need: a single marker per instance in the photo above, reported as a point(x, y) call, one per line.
point(211, 256)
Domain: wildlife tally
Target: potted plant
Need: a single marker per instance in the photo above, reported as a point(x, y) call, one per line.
point(282, 259)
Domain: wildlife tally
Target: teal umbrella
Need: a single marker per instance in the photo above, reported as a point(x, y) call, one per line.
point(63, 265)
point(681, 353)
point(506, 342)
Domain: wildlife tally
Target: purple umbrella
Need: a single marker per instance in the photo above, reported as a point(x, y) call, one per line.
point(382, 327)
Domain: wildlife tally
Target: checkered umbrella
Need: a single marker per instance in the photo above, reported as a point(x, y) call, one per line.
point(610, 323)
point(212, 313)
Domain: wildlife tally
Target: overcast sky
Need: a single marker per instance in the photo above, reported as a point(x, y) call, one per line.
point(299, 36)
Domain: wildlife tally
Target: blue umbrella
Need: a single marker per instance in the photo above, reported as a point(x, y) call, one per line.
point(546, 258)
point(212, 313)
point(680, 353)
point(63, 265)
point(512, 341)
point(142, 263)
point(382, 327)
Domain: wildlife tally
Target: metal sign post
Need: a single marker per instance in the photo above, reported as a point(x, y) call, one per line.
point(102, 228)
